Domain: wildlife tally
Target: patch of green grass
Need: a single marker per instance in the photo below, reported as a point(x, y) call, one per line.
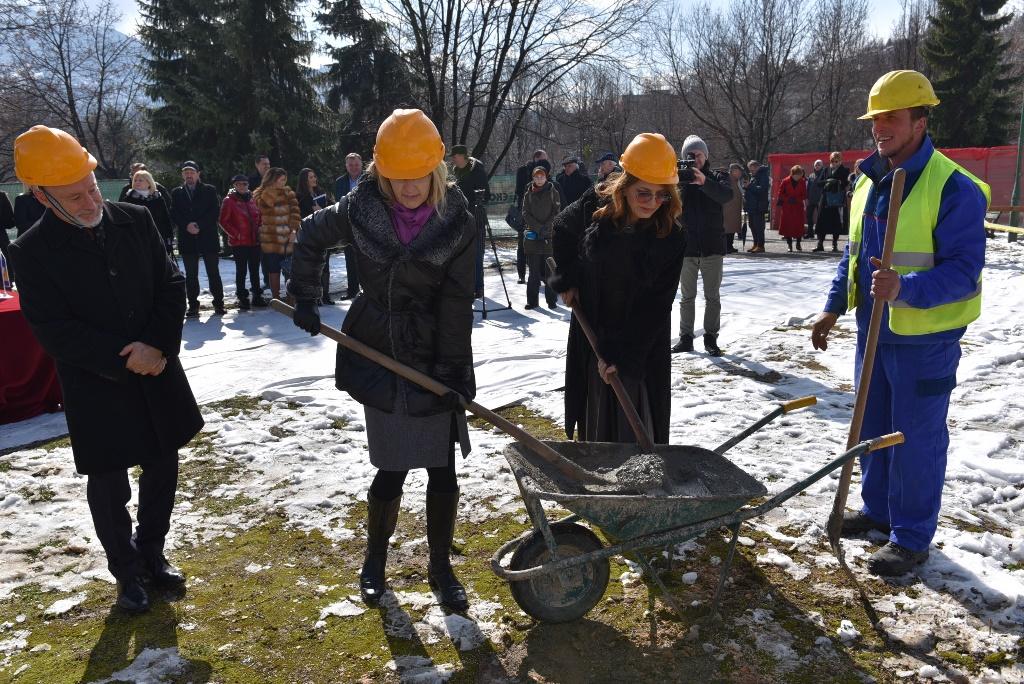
point(238, 405)
point(537, 425)
point(997, 659)
point(41, 494)
point(339, 424)
point(5, 466)
point(218, 505)
point(53, 543)
point(963, 660)
point(59, 443)
point(279, 432)
point(1014, 566)
point(986, 525)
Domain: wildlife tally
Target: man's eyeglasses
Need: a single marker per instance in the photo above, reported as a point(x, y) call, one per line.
point(647, 196)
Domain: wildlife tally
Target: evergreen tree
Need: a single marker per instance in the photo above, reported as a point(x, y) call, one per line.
point(230, 82)
point(971, 75)
point(367, 79)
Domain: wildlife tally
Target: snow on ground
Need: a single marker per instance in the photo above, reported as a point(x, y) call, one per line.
point(971, 589)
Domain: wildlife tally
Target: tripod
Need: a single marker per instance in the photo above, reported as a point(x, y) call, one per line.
point(480, 214)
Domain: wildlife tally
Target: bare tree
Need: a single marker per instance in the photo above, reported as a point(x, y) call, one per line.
point(71, 69)
point(485, 61)
point(908, 35)
point(840, 31)
point(742, 71)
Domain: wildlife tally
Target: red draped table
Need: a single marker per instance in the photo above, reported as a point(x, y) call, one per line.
point(28, 377)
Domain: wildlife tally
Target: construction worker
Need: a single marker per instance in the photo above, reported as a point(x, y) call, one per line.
point(933, 291)
point(106, 303)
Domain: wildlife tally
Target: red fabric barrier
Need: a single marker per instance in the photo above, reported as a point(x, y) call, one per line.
point(28, 377)
point(994, 165)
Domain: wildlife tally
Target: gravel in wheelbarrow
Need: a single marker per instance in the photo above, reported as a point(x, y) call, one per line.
point(699, 485)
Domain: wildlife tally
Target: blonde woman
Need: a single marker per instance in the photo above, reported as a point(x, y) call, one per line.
point(145, 192)
point(280, 216)
point(414, 241)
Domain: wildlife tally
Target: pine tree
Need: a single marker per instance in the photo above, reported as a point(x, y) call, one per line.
point(230, 82)
point(971, 75)
point(367, 79)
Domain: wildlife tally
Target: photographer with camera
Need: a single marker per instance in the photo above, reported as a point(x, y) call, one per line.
point(703, 192)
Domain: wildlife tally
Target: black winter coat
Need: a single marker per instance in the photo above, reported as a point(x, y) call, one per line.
point(757, 195)
point(573, 186)
point(27, 210)
point(203, 208)
point(157, 206)
point(6, 219)
point(627, 282)
point(85, 302)
point(470, 180)
point(703, 218)
point(417, 300)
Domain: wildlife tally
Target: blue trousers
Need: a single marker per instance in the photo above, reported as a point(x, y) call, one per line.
point(909, 393)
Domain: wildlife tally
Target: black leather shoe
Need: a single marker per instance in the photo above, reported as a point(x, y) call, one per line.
point(530, 306)
point(132, 596)
point(711, 345)
point(328, 301)
point(685, 344)
point(193, 312)
point(219, 310)
point(893, 560)
point(855, 523)
point(259, 301)
point(163, 574)
point(243, 304)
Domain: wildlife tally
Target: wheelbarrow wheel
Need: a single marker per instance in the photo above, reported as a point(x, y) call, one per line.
point(565, 596)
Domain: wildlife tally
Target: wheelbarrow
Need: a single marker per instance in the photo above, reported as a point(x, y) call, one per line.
point(559, 570)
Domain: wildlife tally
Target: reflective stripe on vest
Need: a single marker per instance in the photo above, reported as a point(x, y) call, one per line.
point(915, 248)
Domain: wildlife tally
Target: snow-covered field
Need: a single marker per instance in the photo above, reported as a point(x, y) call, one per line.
point(969, 593)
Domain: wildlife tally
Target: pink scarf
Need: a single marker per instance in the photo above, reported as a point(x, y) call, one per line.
point(409, 222)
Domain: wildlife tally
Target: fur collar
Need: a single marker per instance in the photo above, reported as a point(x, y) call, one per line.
point(275, 195)
point(375, 235)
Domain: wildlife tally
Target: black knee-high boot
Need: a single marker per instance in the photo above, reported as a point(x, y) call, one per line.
point(441, 511)
point(381, 519)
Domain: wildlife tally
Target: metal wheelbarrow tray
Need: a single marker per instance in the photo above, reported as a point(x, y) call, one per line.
point(558, 571)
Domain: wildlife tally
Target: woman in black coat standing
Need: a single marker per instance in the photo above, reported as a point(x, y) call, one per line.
point(619, 250)
point(312, 197)
point(414, 240)
point(833, 181)
point(144, 193)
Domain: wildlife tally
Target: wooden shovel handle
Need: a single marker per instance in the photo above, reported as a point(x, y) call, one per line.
point(644, 439)
point(564, 465)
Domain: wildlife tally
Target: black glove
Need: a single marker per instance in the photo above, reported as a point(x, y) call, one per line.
point(307, 317)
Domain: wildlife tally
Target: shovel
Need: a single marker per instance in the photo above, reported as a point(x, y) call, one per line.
point(564, 465)
point(835, 521)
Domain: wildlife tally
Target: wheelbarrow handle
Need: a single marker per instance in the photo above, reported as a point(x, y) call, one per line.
point(802, 402)
point(784, 407)
point(886, 441)
point(564, 465)
point(644, 439)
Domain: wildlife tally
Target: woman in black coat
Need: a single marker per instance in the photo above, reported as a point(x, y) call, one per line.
point(619, 250)
point(145, 193)
point(833, 181)
point(312, 197)
point(414, 240)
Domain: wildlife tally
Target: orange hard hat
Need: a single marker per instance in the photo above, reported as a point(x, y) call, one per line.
point(408, 145)
point(47, 156)
point(650, 158)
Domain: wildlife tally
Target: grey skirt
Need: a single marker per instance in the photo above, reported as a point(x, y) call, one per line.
point(398, 441)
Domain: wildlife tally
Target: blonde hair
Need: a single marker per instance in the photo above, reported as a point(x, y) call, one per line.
point(149, 179)
point(436, 196)
point(617, 207)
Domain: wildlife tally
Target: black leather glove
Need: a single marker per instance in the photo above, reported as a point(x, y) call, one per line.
point(307, 317)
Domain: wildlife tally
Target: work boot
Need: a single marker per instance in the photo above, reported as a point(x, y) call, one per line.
point(132, 596)
point(193, 311)
point(161, 573)
point(893, 560)
point(259, 301)
point(685, 344)
point(441, 511)
point(855, 523)
point(711, 345)
point(381, 518)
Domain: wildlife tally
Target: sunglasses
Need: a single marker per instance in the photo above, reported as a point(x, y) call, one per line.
point(647, 196)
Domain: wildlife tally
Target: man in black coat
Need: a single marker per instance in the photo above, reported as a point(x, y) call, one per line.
point(572, 181)
point(105, 302)
point(195, 209)
point(472, 180)
point(6, 221)
point(27, 210)
point(704, 192)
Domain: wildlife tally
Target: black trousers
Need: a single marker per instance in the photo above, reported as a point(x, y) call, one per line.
point(352, 271)
point(210, 262)
point(520, 257)
point(109, 493)
point(325, 278)
point(756, 221)
point(247, 260)
point(539, 273)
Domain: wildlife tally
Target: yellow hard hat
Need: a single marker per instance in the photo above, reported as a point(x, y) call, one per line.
point(900, 90)
point(49, 156)
point(650, 158)
point(408, 145)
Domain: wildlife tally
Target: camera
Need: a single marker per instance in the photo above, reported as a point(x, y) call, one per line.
point(685, 168)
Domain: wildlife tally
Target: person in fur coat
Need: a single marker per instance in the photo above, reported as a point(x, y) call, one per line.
point(280, 215)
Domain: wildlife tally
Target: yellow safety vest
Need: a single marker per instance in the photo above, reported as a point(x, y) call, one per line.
point(914, 249)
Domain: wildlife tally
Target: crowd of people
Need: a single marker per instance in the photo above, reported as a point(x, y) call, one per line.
point(621, 248)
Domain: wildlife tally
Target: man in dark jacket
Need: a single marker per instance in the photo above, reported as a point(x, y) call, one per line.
point(194, 210)
point(471, 177)
point(756, 199)
point(27, 210)
point(704, 192)
point(6, 222)
point(607, 165)
point(262, 166)
point(105, 302)
point(572, 181)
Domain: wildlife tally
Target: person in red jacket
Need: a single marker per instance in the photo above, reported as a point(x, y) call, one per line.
point(240, 218)
point(792, 203)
